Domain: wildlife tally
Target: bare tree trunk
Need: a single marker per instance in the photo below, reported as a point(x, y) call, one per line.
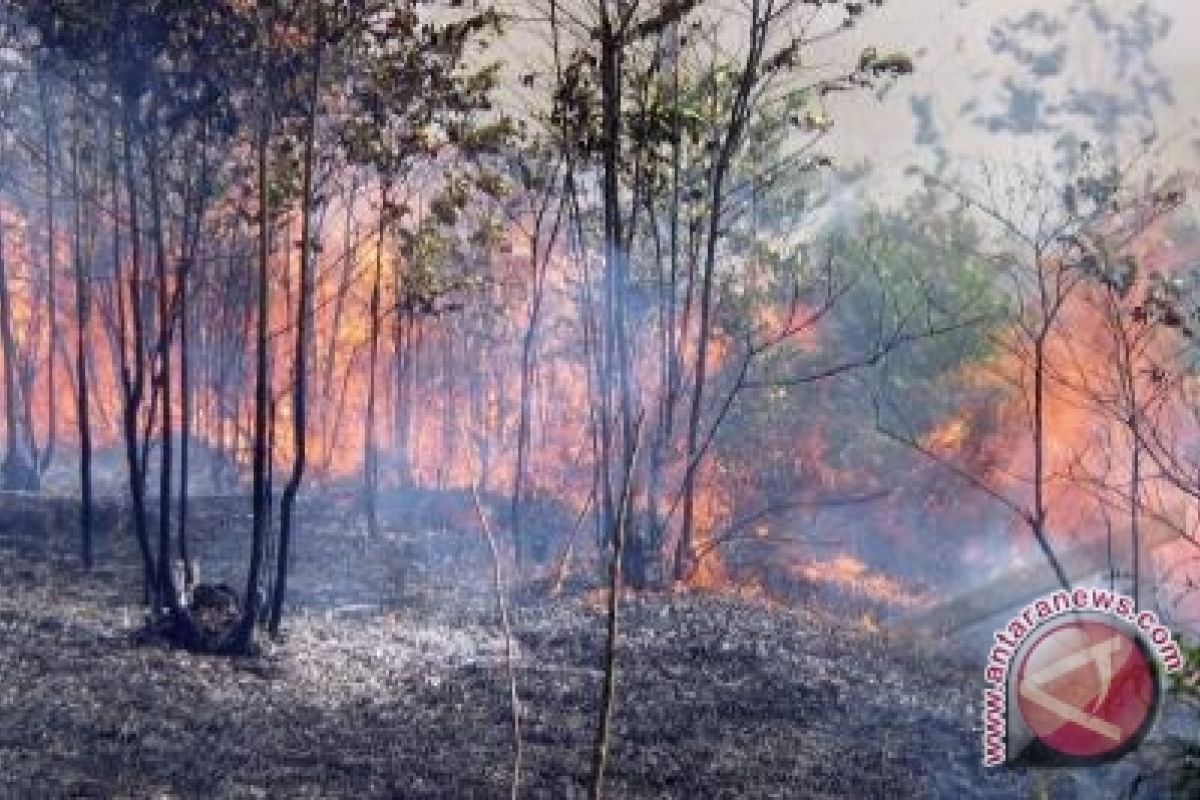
point(185, 417)
point(730, 141)
point(1135, 506)
point(166, 588)
point(450, 408)
point(1131, 400)
point(407, 344)
point(47, 455)
point(329, 414)
point(262, 390)
point(1037, 521)
point(539, 258)
point(510, 647)
point(133, 364)
point(17, 472)
point(191, 245)
point(669, 336)
point(370, 446)
point(608, 693)
point(270, 546)
point(83, 403)
point(300, 380)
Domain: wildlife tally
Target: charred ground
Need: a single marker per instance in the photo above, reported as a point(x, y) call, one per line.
point(393, 684)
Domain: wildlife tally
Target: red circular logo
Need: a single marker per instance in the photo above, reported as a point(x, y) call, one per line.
point(1087, 689)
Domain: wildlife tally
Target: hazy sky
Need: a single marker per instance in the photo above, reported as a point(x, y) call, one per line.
point(1014, 80)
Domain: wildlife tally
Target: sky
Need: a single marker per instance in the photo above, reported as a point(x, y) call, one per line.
point(1024, 81)
point(1006, 82)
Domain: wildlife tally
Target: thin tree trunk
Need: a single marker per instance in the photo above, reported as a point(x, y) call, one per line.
point(17, 472)
point(300, 381)
point(47, 455)
point(608, 693)
point(191, 246)
point(1135, 521)
point(539, 261)
point(244, 635)
point(610, 84)
point(370, 447)
point(81, 351)
point(166, 587)
point(185, 421)
point(1129, 375)
point(1037, 520)
point(133, 365)
point(331, 349)
point(510, 647)
point(731, 140)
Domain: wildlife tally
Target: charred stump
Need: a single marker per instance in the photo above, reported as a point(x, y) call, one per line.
point(206, 621)
point(215, 609)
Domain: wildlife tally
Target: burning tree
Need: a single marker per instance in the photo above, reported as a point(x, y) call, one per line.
point(176, 84)
point(643, 244)
point(402, 122)
point(673, 138)
point(1068, 344)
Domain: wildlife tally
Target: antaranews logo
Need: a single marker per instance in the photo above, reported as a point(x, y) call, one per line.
point(1074, 679)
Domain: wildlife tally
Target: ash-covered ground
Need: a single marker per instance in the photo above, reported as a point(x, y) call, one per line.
point(391, 682)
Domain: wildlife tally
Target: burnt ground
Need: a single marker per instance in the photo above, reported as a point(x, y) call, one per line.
point(391, 683)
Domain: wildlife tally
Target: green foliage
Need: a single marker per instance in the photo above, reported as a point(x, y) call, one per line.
point(1105, 214)
point(486, 137)
point(430, 255)
point(931, 267)
point(896, 63)
point(489, 235)
point(886, 270)
point(419, 91)
point(670, 12)
point(1185, 682)
point(1180, 757)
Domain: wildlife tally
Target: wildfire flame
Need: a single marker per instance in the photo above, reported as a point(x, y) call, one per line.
point(851, 577)
point(455, 412)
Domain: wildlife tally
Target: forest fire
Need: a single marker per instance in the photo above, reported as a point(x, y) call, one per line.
point(850, 576)
point(444, 420)
point(606, 399)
